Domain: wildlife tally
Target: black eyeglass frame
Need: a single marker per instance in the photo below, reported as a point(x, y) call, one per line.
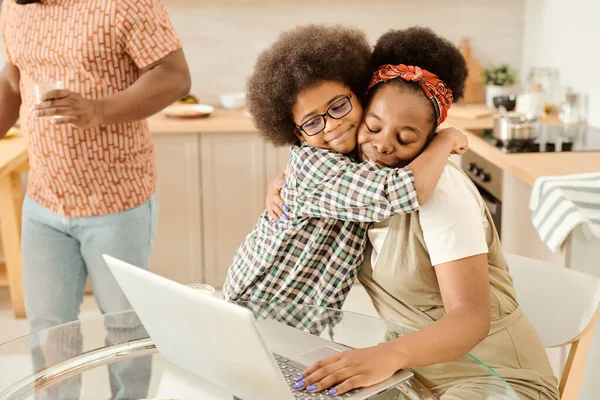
point(322, 116)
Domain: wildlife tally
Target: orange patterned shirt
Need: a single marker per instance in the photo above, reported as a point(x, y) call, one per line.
point(96, 48)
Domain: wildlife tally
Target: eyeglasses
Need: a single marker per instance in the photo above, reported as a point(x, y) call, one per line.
point(337, 110)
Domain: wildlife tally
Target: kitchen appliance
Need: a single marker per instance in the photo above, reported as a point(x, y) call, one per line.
point(514, 126)
point(547, 139)
point(488, 179)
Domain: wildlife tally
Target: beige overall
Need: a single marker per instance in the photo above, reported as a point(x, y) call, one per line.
point(404, 288)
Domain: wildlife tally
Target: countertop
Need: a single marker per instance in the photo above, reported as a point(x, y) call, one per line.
point(525, 167)
point(13, 153)
point(220, 121)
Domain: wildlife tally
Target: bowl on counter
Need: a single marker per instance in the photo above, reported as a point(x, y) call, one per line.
point(233, 101)
point(509, 102)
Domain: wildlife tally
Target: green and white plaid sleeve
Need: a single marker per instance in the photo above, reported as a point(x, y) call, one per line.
point(330, 185)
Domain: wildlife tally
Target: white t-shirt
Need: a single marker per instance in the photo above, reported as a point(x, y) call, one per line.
point(453, 222)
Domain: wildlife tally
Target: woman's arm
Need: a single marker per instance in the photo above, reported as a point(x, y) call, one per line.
point(464, 286)
point(332, 186)
point(465, 289)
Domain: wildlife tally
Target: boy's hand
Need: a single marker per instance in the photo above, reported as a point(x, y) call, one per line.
point(274, 203)
point(457, 138)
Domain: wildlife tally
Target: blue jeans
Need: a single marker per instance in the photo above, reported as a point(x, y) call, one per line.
point(58, 254)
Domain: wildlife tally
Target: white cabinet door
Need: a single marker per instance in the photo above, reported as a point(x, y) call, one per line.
point(178, 246)
point(233, 181)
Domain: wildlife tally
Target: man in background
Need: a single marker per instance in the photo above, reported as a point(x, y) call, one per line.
point(92, 180)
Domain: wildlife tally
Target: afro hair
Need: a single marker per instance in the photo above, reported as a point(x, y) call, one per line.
point(421, 47)
point(301, 58)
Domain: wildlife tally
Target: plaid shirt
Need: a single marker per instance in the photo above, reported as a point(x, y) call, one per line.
point(314, 257)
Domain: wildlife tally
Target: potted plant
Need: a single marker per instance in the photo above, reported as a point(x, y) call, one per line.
point(499, 81)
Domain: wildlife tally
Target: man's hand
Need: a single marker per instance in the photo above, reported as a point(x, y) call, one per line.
point(71, 108)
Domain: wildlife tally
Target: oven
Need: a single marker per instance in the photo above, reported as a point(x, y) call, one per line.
point(488, 179)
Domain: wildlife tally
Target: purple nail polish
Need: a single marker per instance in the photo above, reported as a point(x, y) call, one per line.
point(285, 216)
point(311, 388)
point(284, 185)
point(286, 208)
point(332, 392)
point(298, 379)
point(299, 385)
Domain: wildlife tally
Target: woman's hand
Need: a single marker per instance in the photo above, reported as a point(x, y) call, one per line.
point(458, 138)
point(349, 370)
point(274, 203)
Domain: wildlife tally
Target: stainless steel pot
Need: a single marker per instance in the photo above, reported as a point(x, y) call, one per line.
point(514, 126)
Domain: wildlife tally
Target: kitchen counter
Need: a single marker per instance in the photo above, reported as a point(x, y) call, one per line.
point(526, 167)
point(220, 121)
point(13, 161)
point(13, 153)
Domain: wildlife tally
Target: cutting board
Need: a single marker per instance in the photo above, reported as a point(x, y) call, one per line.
point(471, 111)
point(475, 88)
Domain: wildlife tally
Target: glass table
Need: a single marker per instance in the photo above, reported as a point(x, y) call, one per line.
point(112, 357)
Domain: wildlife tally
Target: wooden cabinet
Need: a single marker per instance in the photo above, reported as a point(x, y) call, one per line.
point(211, 191)
point(232, 196)
point(178, 245)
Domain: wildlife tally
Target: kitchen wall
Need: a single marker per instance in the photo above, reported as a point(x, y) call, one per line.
point(564, 35)
point(223, 38)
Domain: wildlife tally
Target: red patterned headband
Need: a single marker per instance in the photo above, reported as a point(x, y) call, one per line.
point(435, 89)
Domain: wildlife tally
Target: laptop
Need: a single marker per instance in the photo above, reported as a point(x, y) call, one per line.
point(224, 344)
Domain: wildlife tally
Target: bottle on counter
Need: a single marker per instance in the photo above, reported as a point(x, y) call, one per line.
point(572, 114)
point(532, 103)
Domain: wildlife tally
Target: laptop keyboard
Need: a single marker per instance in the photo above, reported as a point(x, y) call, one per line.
point(292, 370)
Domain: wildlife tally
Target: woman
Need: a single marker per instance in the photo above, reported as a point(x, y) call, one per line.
point(441, 269)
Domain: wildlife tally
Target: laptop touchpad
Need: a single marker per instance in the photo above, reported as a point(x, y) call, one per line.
point(318, 354)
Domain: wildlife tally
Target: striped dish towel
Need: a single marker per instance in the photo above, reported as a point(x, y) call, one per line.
point(560, 203)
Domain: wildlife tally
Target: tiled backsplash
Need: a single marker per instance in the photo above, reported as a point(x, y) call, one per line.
point(222, 38)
